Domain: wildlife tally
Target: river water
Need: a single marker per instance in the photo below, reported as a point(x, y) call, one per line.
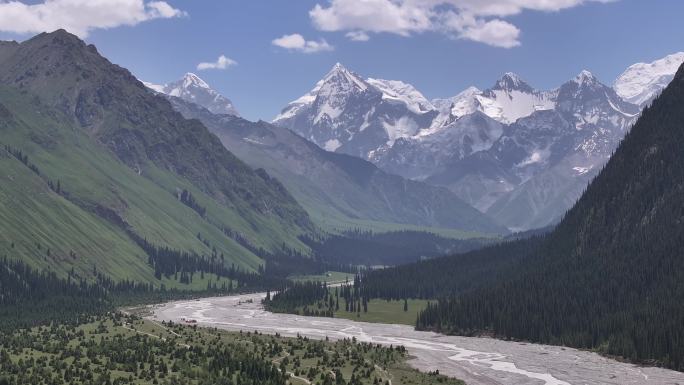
point(478, 361)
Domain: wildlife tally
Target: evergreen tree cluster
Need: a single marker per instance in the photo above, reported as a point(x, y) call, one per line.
point(29, 297)
point(187, 199)
point(23, 158)
point(365, 247)
point(296, 295)
point(70, 355)
point(320, 300)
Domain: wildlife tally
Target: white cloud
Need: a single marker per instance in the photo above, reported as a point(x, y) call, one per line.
point(296, 42)
point(162, 9)
point(80, 16)
point(476, 20)
point(357, 36)
point(496, 32)
point(222, 63)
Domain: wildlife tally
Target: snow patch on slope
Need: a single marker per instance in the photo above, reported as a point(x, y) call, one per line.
point(401, 92)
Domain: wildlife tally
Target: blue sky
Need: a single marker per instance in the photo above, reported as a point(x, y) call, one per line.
point(545, 47)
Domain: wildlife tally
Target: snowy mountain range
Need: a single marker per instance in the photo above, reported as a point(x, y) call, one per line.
point(195, 90)
point(520, 154)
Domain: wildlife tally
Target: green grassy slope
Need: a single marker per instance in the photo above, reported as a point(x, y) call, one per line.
point(89, 177)
point(37, 221)
point(121, 164)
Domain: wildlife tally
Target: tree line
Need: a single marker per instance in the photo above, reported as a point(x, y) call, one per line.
point(366, 247)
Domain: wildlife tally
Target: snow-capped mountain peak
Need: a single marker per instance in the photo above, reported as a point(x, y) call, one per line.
point(585, 77)
point(523, 155)
point(345, 112)
point(510, 82)
point(641, 82)
point(188, 82)
point(192, 80)
point(447, 103)
point(195, 90)
point(511, 98)
point(340, 75)
point(586, 95)
point(464, 103)
point(329, 93)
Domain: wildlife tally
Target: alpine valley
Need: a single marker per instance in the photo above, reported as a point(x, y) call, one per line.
point(154, 232)
point(521, 155)
point(110, 179)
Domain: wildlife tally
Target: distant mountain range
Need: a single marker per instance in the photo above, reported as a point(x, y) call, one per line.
point(521, 155)
point(339, 191)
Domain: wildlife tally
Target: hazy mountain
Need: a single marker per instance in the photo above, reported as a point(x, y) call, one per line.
point(339, 191)
point(423, 156)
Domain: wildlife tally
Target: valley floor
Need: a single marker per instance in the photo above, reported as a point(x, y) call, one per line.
point(124, 349)
point(478, 361)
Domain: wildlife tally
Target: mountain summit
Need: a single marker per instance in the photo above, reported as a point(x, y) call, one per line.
point(195, 90)
point(512, 82)
point(347, 113)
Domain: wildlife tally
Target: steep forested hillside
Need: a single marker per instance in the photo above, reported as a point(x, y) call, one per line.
point(609, 277)
point(97, 171)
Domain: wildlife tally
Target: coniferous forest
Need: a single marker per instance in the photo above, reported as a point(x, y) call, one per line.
point(365, 247)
